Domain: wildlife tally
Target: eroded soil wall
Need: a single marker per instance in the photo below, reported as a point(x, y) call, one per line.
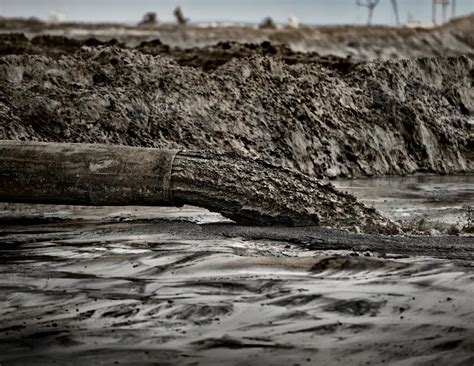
point(381, 117)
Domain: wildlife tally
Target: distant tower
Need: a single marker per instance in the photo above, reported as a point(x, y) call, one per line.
point(444, 4)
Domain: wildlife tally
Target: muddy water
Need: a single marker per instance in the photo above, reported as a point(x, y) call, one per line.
point(443, 199)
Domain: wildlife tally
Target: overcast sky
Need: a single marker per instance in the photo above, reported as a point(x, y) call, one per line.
point(308, 11)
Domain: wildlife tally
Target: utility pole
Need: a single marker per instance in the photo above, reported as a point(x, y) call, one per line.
point(453, 8)
point(370, 5)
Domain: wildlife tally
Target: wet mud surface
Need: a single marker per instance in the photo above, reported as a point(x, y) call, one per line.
point(207, 58)
point(114, 289)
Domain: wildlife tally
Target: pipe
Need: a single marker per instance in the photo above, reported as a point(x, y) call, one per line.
point(248, 191)
point(83, 174)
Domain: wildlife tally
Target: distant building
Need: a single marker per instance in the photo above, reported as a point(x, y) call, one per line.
point(55, 17)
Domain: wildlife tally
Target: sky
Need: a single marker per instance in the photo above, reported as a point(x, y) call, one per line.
point(320, 12)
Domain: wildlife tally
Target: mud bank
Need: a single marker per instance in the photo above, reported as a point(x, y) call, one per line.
point(119, 291)
point(379, 118)
point(206, 58)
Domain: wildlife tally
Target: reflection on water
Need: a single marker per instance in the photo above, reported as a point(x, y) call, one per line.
point(436, 198)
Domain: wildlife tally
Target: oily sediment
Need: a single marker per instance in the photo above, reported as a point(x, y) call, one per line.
point(381, 117)
point(209, 46)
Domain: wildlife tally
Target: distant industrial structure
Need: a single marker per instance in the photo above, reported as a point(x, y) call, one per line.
point(180, 18)
point(444, 4)
point(372, 4)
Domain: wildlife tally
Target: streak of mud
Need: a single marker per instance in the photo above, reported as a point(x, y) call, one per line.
point(205, 58)
point(139, 292)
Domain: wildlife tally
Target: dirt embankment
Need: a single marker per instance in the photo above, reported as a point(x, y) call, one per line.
point(206, 58)
point(382, 117)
